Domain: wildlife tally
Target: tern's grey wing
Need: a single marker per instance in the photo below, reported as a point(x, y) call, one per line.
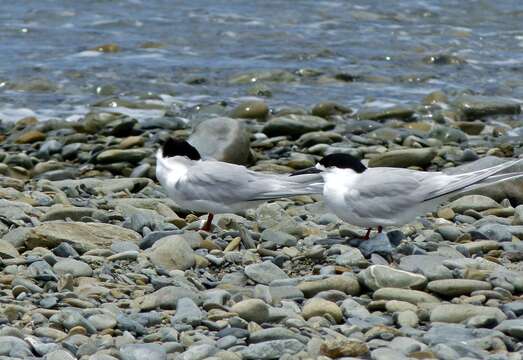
point(453, 183)
point(228, 183)
point(379, 192)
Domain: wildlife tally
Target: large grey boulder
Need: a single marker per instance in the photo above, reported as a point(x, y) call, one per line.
point(223, 139)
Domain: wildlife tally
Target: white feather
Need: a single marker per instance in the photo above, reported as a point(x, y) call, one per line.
point(219, 187)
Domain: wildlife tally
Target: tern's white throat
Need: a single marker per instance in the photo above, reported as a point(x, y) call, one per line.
point(170, 170)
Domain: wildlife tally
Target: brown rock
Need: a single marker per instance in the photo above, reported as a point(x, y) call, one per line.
point(82, 236)
point(340, 347)
point(30, 137)
point(322, 307)
point(446, 213)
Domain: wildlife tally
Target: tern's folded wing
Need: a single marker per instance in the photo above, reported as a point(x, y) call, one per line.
point(380, 192)
point(229, 183)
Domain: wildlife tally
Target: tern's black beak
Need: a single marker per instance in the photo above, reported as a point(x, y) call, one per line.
point(310, 170)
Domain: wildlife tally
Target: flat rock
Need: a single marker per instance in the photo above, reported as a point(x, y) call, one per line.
point(7, 250)
point(442, 333)
point(472, 263)
point(75, 213)
point(347, 284)
point(328, 108)
point(172, 253)
point(74, 267)
point(278, 237)
point(387, 354)
point(404, 158)
point(265, 272)
point(407, 345)
point(279, 293)
point(431, 266)
point(475, 106)
point(81, 236)
point(101, 186)
point(318, 137)
point(479, 246)
point(457, 287)
point(143, 351)
point(295, 125)
point(380, 276)
point(496, 232)
point(456, 313)
point(122, 155)
point(513, 327)
point(223, 139)
point(59, 355)
point(393, 112)
point(16, 210)
point(473, 202)
point(411, 296)
point(275, 333)
point(166, 298)
point(273, 349)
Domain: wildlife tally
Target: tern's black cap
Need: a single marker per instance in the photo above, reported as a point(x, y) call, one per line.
point(179, 147)
point(343, 161)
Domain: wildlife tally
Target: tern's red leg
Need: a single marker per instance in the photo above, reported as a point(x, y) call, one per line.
point(208, 223)
point(367, 235)
point(380, 229)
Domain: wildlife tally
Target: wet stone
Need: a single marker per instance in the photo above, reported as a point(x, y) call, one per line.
point(251, 110)
point(295, 125)
point(472, 107)
point(404, 158)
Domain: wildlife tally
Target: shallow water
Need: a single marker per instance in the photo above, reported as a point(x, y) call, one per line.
point(358, 51)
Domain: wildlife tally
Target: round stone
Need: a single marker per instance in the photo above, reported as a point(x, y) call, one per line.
point(252, 310)
point(321, 307)
point(251, 110)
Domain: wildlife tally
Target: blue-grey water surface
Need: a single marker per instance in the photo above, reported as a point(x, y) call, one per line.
point(188, 52)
